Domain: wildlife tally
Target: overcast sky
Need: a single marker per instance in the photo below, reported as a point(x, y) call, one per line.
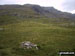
point(63, 5)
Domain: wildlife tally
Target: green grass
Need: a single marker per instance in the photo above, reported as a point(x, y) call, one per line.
point(50, 37)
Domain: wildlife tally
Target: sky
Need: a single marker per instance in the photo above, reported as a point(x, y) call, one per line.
point(62, 5)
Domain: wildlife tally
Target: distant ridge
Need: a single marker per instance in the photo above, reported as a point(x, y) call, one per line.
point(49, 12)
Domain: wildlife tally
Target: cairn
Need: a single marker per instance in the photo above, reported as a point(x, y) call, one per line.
point(29, 45)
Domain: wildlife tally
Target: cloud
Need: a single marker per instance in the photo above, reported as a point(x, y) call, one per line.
point(54, 3)
point(73, 11)
point(69, 5)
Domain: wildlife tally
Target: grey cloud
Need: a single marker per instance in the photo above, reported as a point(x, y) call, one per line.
point(69, 5)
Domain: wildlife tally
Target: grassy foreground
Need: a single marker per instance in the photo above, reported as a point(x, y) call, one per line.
point(50, 37)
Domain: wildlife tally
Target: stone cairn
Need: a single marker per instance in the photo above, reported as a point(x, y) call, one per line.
point(28, 45)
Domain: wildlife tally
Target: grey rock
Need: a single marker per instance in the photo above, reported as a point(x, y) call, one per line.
point(28, 45)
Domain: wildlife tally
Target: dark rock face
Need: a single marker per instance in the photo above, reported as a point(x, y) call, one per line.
point(52, 12)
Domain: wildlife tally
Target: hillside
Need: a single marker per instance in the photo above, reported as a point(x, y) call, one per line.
point(36, 11)
point(37, 24)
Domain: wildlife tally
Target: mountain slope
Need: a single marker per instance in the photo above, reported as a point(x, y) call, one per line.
point(36, 10)
point(51, 12)
point(16, 13)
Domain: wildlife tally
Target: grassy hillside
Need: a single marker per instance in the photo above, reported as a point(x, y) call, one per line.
point(14, 14)
point(51, 37)
point(22, 23)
